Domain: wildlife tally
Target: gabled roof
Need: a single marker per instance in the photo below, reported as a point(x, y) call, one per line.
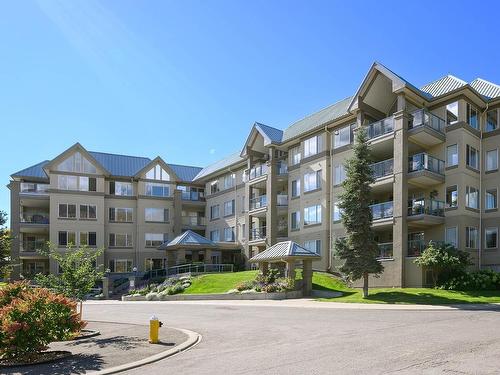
point(120, 165)
point(227, 162)
point(188, 239)
point(273, 134)
point(443, 85)
point(185, 172)
point(35, 171)
point(487, 89)
point(284, 250)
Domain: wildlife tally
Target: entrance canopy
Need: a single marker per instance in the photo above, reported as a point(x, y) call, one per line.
point(188, 240)
point(283, 252)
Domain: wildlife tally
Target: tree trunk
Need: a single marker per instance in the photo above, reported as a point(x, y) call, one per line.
point(365, 285)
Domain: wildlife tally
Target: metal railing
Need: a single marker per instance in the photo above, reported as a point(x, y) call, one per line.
point(191, 268)
point(416, 247)
point(282, 168)
point(422, 117)
point(33, 245)
point(258, 202)
point(383, 168)
point(35, 218)
point(385, 250)
point(194, 220)
point(34, 188)
point(282, 200)
point(258, 233)
point(192, 196)
point(426, 207)
point(379, 128)
point(382, 210)
point(256, 171)
point(425, 162)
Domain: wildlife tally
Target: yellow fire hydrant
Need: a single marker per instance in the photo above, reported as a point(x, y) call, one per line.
point(154, 328)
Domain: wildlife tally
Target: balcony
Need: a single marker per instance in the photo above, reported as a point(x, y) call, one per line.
point(382, 168)
point(34, 188)
point(258, 202)
point(425, 128)
point(425, 212)
point(194, 221)
point(385, 250)
point(416, 247)
point(193, 196)
point(35, 218)
point(382, 212)
point(380, 128)
point(255, 172)
point(282, 200)
point(258, 234)
point(425, 170)
point(33, 246)
point(282, 168)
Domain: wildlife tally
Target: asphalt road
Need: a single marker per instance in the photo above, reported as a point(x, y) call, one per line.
point(310, 338)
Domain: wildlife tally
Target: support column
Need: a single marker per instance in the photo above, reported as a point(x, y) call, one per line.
point(307, 277)
point(290, 270)
point(272, 199)
point(15, 212)
point(248, 219)
point(105, 287)
point(264, 267)
point(400, 192)
point(208, 256)
point(181, 256)
point(177, 219)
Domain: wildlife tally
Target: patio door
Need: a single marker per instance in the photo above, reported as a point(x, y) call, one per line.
point(216, 257)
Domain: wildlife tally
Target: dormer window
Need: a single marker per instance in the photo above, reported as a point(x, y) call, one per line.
point(77, 163)
point(157, 173)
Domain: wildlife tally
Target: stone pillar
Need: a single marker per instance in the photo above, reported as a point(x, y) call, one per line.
point(400, 192)
point(307, 277)
point(171, 258)
point(208, 256)
point(106, 282)
point(177, 217)
point(290, 269)
point(272, 199)
point(264, 267)
point(196, 256)
point(181, 257)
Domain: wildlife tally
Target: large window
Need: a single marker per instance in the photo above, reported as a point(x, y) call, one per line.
point(66, 238)
point(120, 240)
point(471, 197)
point(471, 237)
point(491, 237)
point(312, 215)
point(452, 236)
point(77, 163)
point(451, 155)
point(296, 155)
point(214, 187)
point(120, 265)
point(313, 245)
point(214, 212)
point(343, 136)
point(120, 214)
point(156, 214)
point(120, 188)
point(88, 211)
point(312, 181)
point(472, 157)
point(67, 211)
point(295, 220)
point(229, 180)
point(452, 196)
point(295, 188)
point(157, 173)
point(337, 212)
point(157, 190)
point(491, 199)
point(472, 116)
point(82, 183)
point(215, 235)
point(492, 160)
point(452, 113)
point(229, 208)
point(229, 234)
point(155, 239)
point(312, 146)
point(491, 120)
point(339, 175)
point(88, 239)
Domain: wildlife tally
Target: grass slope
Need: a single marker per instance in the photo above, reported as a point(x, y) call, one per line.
point(218, 282)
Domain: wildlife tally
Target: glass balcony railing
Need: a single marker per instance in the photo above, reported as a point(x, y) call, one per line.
point(425, 162)
point(192, 196)
point(424, 118)
point(258, 202)
point(385, 250)
point(256, 171)
point(379, 128)
point(383, 168)
point(415, 247)
point(282, 168)
point(426, 207)
point(258, 233)
point(194, 220)
point(35, 218)
point(282, 200)
point(33, 245)
point(34, 188)
point(382, 210)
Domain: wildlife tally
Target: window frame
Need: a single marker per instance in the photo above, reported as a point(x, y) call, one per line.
point(486, 237)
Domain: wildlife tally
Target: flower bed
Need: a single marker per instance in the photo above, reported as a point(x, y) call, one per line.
point(159, 292)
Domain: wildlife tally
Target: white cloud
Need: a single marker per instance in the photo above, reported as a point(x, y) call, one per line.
point(211, 151)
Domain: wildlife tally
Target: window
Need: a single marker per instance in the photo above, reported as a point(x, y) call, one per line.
point(229, 234)
point(343, 136)
point(243, 234)
point(312, 181)
point(81, 183)
point(76, 163)
point(491, 199)
point(120, 240)
point(312, 146)
point(339, 175)
point(295, 220)
point(296, 156)
point(157, 173)
point(452, 196)
point(88, 239)
point(156, 214)
point(471, 237)
point(214, 212)
point(120, 188)
point(452, 236)
point(452, 113)
point(67, 211)
point(313, 245)
point(491, 120)
point(214, 187)
point(492, 160)
point(337, 214)
point(472, 157)
point(120, 214)
point(215, 235)
point(229, 180)
point(295, 188)
point(120, 265)
point(452, 155)
point(491, 237)
point(471, 197)
point(155, 239)
point(472, 116)
point(229, 208)
point(312, 215)
point(157, 190)
point(88, 211)
point(66, 238)
point(155, 264)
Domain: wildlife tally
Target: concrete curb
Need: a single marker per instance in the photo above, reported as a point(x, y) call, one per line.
point(224, 297)
point(193, 339)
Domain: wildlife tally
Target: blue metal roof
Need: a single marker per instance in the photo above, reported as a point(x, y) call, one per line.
point(284, 250)
point(185, 172)
point(35, 171)
point(120, 165)
point(188, 239)
point(275, 135)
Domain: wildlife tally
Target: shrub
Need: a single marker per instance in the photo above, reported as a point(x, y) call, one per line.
point(478, 280)
point(152, 296)
point(245, 285)
point(30, 319)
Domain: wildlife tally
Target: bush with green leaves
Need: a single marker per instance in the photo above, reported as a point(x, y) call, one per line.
point(478, 280)
point(32, 318)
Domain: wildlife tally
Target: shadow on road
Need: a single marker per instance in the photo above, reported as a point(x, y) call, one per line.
point(76, 364)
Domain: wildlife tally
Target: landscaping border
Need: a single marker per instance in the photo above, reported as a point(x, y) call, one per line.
point(222, 296)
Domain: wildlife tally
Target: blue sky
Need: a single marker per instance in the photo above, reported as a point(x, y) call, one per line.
point(149, 78)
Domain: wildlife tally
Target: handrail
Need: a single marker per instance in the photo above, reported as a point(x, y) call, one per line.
point(382, 168)
point(422, 117)
point(189, 268)
point(424, 161)
point(386, 250)
point(379, 128)
point(258, 202)
point(421, 206)
point(382, 210)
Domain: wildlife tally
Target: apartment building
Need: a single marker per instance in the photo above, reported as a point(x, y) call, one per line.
point(435, 160)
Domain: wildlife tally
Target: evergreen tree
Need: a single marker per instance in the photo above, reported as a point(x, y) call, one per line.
point(358, 250)
point(5, 241)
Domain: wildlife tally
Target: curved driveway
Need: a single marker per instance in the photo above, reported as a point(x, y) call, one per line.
point(297, 337)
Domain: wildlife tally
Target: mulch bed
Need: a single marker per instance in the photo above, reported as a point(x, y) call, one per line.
point(37, 358)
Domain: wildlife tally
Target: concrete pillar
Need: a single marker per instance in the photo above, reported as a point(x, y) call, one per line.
point(400, 191)
point(248, 220)
point(272, 199)
point(196, 256)
point(264, 267)
point(208, 256)
point(171, 258)
point(15, 212)
point(181, 256)
point(307, 277)
point(106, 283)
point(290, 270)
point(177, 215)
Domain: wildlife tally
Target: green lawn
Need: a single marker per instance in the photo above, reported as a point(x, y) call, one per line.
point(218, 282)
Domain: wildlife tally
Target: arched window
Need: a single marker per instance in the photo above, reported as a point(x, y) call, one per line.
point(77, 163)
point(157, 173)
